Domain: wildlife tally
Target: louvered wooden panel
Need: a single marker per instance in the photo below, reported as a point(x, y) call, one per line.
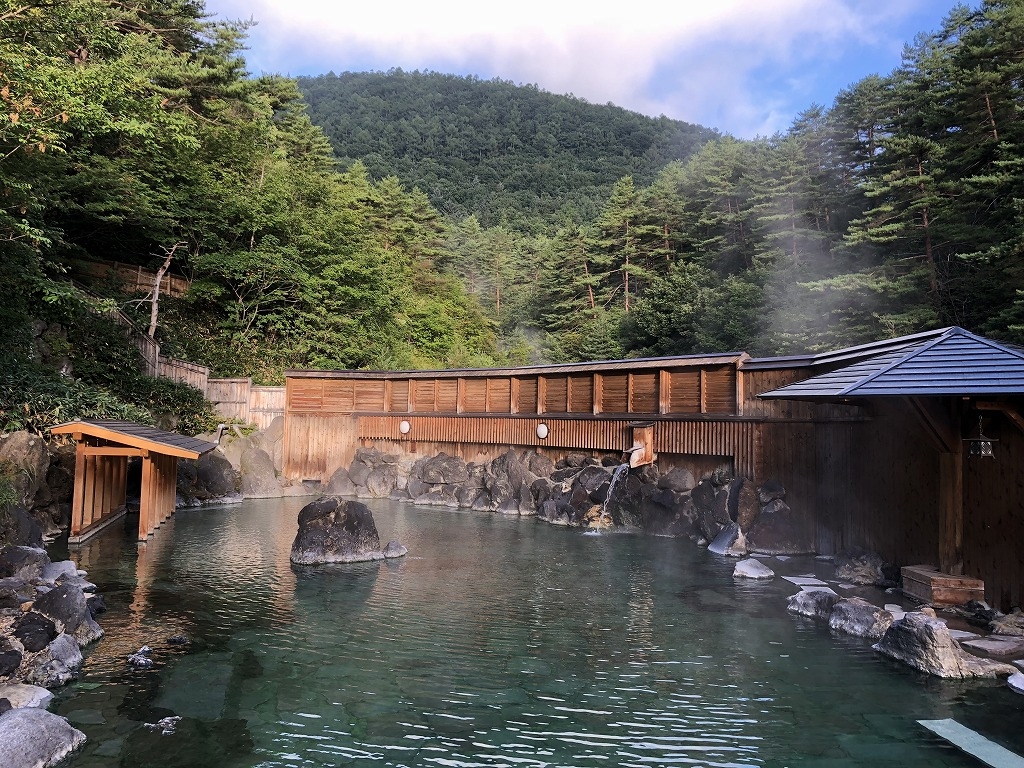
point(446, 395)
point(474, 395)
point(645, 393)
point(499, 392)
point(685, 396)
point(305, 395)
point(423, 395)
point(581, 394)
point(721, 390)
point(711, 438)
point(370, 396)
point(339, 396)
point(607, 435)
point(615, 393)
point(399, 396)
point(555, 389)
point(527, 395)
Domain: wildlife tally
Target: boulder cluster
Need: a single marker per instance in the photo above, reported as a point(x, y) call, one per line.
point(46, 616)
point(584, 491)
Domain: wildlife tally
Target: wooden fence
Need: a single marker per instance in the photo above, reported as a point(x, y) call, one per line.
point(132, 278)
point(239, 399)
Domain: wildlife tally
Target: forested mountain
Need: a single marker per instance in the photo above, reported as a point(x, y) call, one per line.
point(508, 154)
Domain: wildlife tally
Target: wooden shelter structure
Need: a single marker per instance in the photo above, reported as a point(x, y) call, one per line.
point(101, 470)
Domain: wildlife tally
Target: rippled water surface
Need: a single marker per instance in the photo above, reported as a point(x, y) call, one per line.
point(496, 642)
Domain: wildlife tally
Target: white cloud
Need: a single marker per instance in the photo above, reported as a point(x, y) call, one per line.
point(711, 62)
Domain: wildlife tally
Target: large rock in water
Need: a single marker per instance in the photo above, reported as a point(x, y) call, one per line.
point(35, 738)
point(925, 644)
point(335, 530)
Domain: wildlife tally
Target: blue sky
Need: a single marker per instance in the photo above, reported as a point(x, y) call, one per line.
point(746, 67)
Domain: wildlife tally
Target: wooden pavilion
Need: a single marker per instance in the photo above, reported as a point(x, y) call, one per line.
point(101, 470)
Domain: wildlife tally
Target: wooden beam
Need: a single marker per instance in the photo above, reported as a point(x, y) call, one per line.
point(629, 393)
point(703, 391)
point(146, 498)
point(542, 393)
point(110, 450)
point(460, 395)
point(120, 438)
point(514, 404)
point(938, 425)
point(598, 393)
point(1004, 408)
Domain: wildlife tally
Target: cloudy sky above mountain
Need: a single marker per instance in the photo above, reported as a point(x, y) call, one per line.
point(746, 67)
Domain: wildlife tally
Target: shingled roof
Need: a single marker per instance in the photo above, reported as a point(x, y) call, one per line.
point(138, 436)
point(950, 362)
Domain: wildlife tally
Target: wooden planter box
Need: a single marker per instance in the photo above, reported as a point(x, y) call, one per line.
point(927, 583)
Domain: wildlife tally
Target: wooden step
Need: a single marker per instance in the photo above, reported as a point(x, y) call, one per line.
point(927, 583)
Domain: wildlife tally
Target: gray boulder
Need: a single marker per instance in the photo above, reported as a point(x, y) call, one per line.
point(22, 562)
point(66, 605)
point(540, 465)
point(34, 631)
point(340, 484)
point(679, 480)
point(57, 664)
point(335, 530)
point(382, 481)
point(752, 569)
point(216, 476)
point(34, 738)
point(770, 491)
point(394, 549)
point(816, 603)
point(1016, 682)
point(856, 616)
point(924, 643)
point(860, 568)
point(21, 695)
point(28, 455)
point(18, 527)
point(780, 531)
point(748, 507)
point(259, 480)
point(444, 469)
point(11, 654)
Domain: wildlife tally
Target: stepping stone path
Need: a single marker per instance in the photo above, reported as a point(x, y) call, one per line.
point(1001, 646)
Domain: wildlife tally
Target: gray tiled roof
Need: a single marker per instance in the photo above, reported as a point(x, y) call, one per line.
point(140, 435)
point(954, 362)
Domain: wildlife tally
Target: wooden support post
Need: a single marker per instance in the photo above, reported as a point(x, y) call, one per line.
point(951, 512)
point(664, 391)
point(89, 494)
point(514, 404)
point(629, 393)
point(542, 392)
point(703, 391)
point(146, 497)
point(598, 393)
point(78, 499)
point(460, 395)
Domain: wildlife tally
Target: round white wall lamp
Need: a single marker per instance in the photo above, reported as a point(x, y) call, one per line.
point(542, 430)
point(404, 427)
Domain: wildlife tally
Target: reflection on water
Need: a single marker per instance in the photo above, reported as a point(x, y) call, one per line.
point(496, 642)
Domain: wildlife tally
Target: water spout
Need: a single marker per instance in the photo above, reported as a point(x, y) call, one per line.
point(620, 472)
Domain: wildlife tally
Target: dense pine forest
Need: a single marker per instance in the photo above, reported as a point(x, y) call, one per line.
point(403, 220)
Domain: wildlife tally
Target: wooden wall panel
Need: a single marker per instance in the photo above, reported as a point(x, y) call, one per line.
point(994, 514)
point(339, 396)
point(644, 392)
point(305, 395)
point(446, 395)
point(527, 394)
point(315, 446)
point(615, 393)
point(555, 394)
point(399, 400)
point(231, 397)
point(499, 394)
point(423, 396)
point(474, 395)
point(265, 405)
point(369, 395)
point(685, 392)
point(581, 394)
point(721, 390)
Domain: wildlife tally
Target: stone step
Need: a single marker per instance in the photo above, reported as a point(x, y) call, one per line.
point(974, 744)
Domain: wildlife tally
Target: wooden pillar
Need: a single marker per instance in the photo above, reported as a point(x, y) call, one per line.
point(89, 494)
point(703, 391)
point(664, 391)
point(78, 499)
point(513, 391)
point(951, 512)
point(146, 497)
point(542, 393)
point(598, 393)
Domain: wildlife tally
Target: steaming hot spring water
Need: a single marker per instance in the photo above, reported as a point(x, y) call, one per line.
point(496, 642)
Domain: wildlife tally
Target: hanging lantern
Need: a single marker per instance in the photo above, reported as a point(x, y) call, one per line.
point(980, 445)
